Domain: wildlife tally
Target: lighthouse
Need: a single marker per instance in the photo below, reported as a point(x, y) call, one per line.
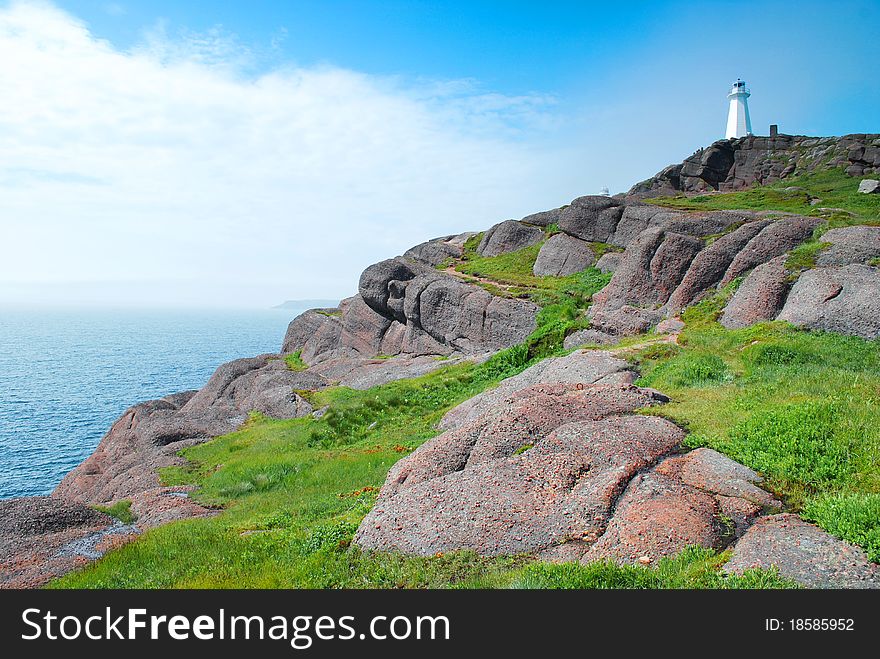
point(738, 122)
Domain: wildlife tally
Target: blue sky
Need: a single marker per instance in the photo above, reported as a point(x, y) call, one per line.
point(239, 153)
point(817, 54)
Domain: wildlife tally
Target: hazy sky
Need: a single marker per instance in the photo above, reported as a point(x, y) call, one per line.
point(239, 154)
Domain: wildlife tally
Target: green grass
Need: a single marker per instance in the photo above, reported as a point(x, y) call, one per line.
point(695, 567)
point(511, 275)
point(600, 249)
point(803, 257)
point(834, 187)
point(294, 362)
point(693, 369)
point(120, 510)
point(799, 407)
point(852, 516)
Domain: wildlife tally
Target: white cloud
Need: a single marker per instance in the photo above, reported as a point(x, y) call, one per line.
point(169, 163)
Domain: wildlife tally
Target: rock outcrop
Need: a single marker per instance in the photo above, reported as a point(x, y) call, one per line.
point(41, 538)
point(678, 259)
point(847, 245)
point(537, 467)
point(509, 236)
point(734, 164)
point(759, 297)
point(775, 239)
point(563, 255)
point(803, 552)
point(564, 471)
point(709, 266)
point(591, 218)
point(436, 251)
point(842, 299)
point(149, 435)
point(651, 268)
point(405, 307)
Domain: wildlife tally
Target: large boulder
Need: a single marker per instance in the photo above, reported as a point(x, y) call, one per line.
point(649, 271)
point(843, 299)
point(509, 236)
point(382, 285)
point(563, 255)
point(466, 317)
point(457, 316)
point(869, 186)
point(567, 472)
point(437, 251)
point(405, 306)
point(609, 262)
point(634, 220)
point(775, 239)
point(709, 266)
point(512, 500)
point(506, 426)
point(591, 218)
point(264, 384)
point(803, 552)
point(760, 296)
point(679, 503)
point(325, 341)
point(306, 326)
point(710, 471)
point(658, 516)
point(543, 218)
point(580, 367)
point(846, 245)
point(363, 328)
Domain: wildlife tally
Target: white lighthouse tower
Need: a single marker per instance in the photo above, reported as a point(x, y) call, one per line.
point(738, 122)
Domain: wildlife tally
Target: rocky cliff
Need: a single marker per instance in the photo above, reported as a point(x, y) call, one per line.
point(734, 164)
point(596, 480)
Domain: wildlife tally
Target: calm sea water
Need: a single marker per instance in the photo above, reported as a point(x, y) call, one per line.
point(65, 376)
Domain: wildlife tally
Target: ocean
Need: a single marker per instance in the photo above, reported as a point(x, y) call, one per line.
point(66, 375)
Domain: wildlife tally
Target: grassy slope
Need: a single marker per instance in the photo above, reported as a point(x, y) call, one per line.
point(800, 407)
point(833, 187)
point(511, 274)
